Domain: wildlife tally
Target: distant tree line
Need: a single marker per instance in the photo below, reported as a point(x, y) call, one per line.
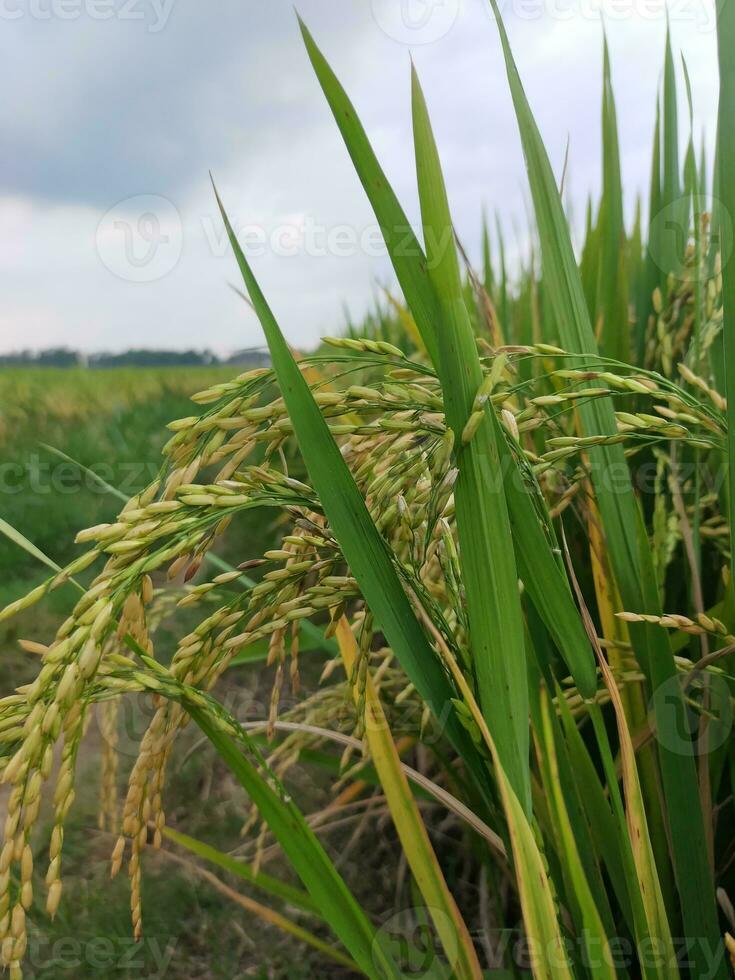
point(136, 357)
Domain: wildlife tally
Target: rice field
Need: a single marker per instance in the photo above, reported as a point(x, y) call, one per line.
point(112, 421)
point(470, 708)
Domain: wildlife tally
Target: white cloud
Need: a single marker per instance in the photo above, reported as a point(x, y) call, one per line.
point(133, 113)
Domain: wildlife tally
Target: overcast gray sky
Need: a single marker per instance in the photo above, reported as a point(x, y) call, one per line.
point(114, 111)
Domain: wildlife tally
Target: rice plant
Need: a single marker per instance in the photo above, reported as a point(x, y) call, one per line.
point(515, 519)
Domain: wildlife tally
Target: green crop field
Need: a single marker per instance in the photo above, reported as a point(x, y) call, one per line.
point(112, 421)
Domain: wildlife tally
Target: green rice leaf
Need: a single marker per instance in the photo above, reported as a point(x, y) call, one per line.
point(591, 928)
point(612, 286)
point(295, 897)
point(541, 574)
point(671, 180)
point(12, 534)
point(305, 853)
point(651, 273)
point(417, 848)
point(400, 239)
point(726, 191)
point(488, 279)
point(486, 549)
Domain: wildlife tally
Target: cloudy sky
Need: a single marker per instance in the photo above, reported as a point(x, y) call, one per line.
point(115, 110)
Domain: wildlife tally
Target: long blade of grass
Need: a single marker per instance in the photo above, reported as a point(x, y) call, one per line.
point(638, 833)
point(88, 471)
point(635, 249)
point(549, 960)
point(410, 828)
point(589, 260)
point(267, 915)
point(632, 696)
point(726, 192)
point(637, 852)
point(626, 541)
point(604, 829)
point(295, 897)
point(12, 534)
point(592, 930)
point(671, 197)
point(651, 271)
point(537, 901)
point(400, 239)
point(612, 287)
point(488, 279)
point(502, 304)
point(541, 574)
point(23, 542)
point(486, 548)
point(305, 853)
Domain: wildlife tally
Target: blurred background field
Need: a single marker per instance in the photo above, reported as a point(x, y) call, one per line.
point(112, 421)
